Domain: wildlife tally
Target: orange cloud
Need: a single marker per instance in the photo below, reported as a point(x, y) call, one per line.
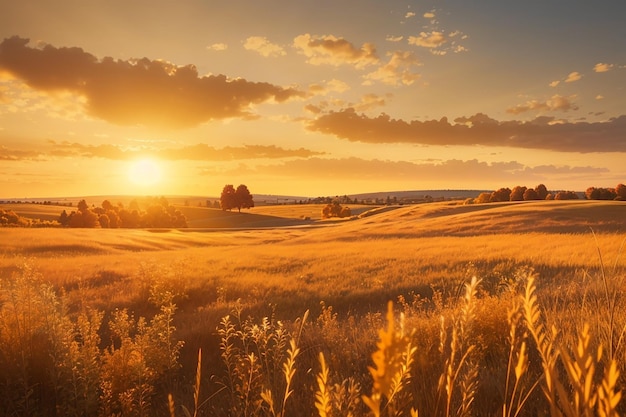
point(217, 47)
point(432, 39)
point(7, 154)
point(573, 76)
point(137, 91)
point(263, 46)
point(453, 171)
point(600, 67)
point(480, 129)
point(398, 70)
point(556, 102)
point(331, 50)
point(198, 152)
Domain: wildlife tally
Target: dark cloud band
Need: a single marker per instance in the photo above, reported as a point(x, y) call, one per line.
point(541, 133)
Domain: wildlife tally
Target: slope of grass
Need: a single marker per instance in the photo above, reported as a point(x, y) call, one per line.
point(420, 256)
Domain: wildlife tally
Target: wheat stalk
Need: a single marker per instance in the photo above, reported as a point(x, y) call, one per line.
point(322, 395)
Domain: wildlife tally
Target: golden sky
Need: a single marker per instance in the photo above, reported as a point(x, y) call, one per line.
point(309, 98)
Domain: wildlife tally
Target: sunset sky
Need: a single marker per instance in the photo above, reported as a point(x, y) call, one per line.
point(316, 98)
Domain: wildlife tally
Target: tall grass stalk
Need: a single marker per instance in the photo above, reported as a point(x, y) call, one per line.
point(392, 368)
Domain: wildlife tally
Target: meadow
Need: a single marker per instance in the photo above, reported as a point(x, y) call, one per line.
point(496, 309)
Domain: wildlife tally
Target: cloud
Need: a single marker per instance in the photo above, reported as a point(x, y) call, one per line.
point(330, 50)
point(369, 102)
point(7, 154)
point(480, 129)
point(429, 15)
point(333, 85)
point(438, 42)
point(573, 76)
point(398, 70)
point(432, 39)
point(217, 47)
point(391, 38)
point(137, 91)
point(366, 102)
point(409, 15)
point(600, 67)
point(555, 103)
point(465, 173)
point(263, 47)
point(198, 152)
point(554, 83)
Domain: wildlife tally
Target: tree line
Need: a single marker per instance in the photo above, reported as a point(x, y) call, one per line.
point(159, 213)
point(540, 192)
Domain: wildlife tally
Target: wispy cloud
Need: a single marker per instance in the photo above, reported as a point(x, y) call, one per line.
point(8, 154)
point(263, 46)
point(480, 129)
point(138, 91)
point(198, 152)
point(325, 88)
point(398, 70)
point(217, 47)
point(466, 173)
point(391, 38)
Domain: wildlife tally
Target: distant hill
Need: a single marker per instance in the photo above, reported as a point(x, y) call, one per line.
point(419, 194)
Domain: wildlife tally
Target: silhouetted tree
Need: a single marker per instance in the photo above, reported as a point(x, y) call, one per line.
point(517, 194)
point(593, 193)
point(64, 218)
point(244, 198)
point(530, 194)
point(104, 221)
point(228, 199)
point(566, 195)
point(483, 198)
point(106, 205)
point(620, 190)
point(542, 191)
point(82, 205)
point(499, 195)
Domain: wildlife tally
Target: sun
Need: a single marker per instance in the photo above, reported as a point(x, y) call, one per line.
point(145, 172)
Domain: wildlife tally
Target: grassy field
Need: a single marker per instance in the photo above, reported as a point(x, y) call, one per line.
point(279, 262)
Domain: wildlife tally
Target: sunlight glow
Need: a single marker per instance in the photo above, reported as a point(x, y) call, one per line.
point(145, 172)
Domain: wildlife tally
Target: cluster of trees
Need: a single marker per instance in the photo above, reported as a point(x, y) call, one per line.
point(617, 193)
point(236, 198)
point(335, 209)
point(43, 203)
point(540, 192)
point(158, 214)
point(9, 218)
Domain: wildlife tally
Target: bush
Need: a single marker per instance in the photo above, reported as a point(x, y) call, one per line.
point(335, 210)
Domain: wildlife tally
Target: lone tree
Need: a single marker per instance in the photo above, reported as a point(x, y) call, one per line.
point(244, 198)
point(239, 198)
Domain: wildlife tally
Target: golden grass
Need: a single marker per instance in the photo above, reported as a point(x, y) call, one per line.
point(422, 255)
